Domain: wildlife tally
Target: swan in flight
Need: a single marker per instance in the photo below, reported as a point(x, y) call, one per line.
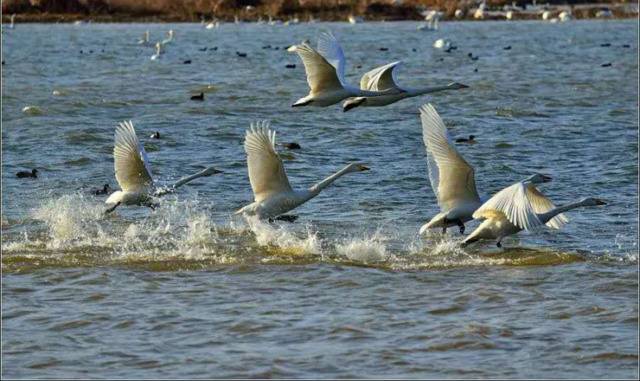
point(145, 39)
point(518, 207)
point(133, 173)
point(273, 196)
point(169, 37)
point(325, 74)
point(383, 78)
point(158, 51)
point(452, 178)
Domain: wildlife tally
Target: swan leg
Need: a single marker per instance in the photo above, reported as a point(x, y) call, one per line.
point(113, 208)
point(287, 218)
point(461, 225)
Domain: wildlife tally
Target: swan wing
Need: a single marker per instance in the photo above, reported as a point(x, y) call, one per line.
point(321, 75)
point(331, 50)
point(381, 78)
point(266, 172)
point(130, 159)
point(452, 178)
point(541, 204)
point(514, 203)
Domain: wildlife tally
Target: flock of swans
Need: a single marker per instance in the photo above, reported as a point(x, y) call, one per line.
point(520, 206)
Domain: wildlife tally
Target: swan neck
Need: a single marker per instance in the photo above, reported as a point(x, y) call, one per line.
point(546, 217)
point(326, 182)
point(427, 90)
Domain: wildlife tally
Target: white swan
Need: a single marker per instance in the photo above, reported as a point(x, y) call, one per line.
point(383, 78)
point(145, 38)
point(565, 16)
point(442, 43)
point(273, 195)
point(452, 178)
point(521, 207)
point(158, 51)
point(325, 74)
point(169, 37)
point(12, 25)
point(133, 173)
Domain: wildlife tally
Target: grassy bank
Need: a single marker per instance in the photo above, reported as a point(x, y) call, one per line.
point(303, 10)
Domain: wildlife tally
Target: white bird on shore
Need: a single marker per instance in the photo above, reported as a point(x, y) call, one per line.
point(169, 37)
point(452, 178)
point(518, 207)
point(133, 173)
point(145, 38)
point(158, 51)
point(273, 196)
point(325, 74)
point(383, 79)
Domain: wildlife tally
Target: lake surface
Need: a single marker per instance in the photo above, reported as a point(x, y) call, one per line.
point(350, 289)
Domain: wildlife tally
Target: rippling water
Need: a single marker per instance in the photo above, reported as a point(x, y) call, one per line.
point(349, 290)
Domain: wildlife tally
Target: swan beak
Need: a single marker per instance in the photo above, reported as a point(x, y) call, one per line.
point(546, 179)
point(600, 202)
point(462, 86)
point(364, 168)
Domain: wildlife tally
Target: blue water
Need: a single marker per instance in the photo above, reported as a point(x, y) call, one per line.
point(350, 289)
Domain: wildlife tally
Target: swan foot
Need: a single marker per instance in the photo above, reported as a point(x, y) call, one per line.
point(444, 230)
point(461, 225)
point(287, 218)
point(113, 208)
point(301, 103)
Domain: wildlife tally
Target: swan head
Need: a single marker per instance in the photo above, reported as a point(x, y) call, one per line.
point(457, 86)
point(210, 171)
point(357, 167)
point(538, 178)
point(591, 201)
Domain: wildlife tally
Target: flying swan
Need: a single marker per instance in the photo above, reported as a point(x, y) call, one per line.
point(273, 196)
point(452, 178)
point(518, 207)
point(383, 79)
point(133, 173)
point(325, 74)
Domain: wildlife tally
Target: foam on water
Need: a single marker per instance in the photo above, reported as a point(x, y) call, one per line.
point(368, 249)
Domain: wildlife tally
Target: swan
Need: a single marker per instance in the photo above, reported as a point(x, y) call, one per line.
point(325, 74)
point(383, 78)
point(145, 39)
point(565, 16)
point(273, 195)
point(452, 178)
point(158, 51)
point(12, 25)
point(133, 173)
point(169, 37)
point(459, 13)
point(518, 207)
point(25, 174)
point(432, 18)
point(441, 43)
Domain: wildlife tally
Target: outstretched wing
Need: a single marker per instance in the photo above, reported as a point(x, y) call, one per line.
point(514, 203)
point(452, 178)
point(331, 50)
point(266, 172)
point(130, 160)
point(381, 78)
point(321, 75)
point(541, 204)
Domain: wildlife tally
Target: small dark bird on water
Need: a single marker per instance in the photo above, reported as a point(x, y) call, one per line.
point(605, 45)
point(214, 48)
point(290, 66)
point(105, 190)
point(606, 64)
point(507, 47)
point(25, 174)
point(470, 140)
point(155, 135)
point(266, 47)
point(199, 97)
point(241, 54)
point(384, 49)
point(203, 49)
point(624, 46)
point(414, 50)
point(472, 57)
point(291, 145)
point(187, 62)
point(475, 70)
point(359, 67)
